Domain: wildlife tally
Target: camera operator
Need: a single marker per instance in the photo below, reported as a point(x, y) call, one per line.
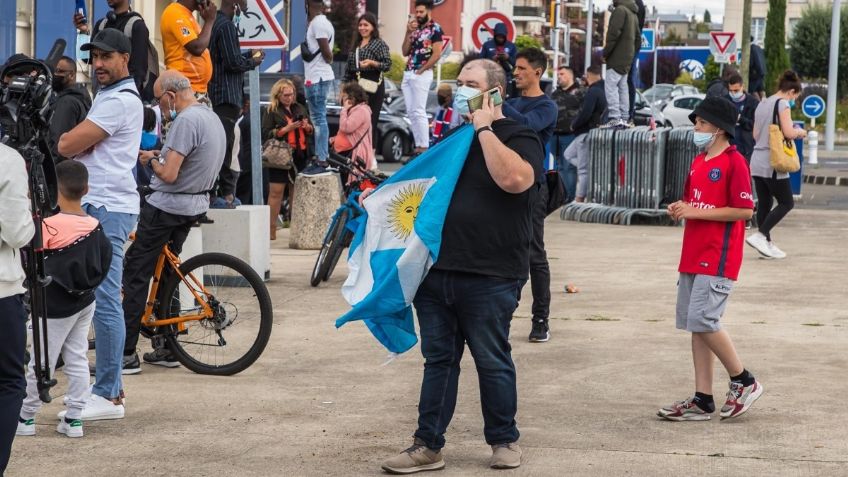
point(16, 230)
point(71, 104)
point(107, 144)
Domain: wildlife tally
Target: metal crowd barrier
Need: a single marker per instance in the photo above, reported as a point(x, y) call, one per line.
point(633, 175)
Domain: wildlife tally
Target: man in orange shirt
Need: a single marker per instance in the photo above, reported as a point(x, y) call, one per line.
point(185, 44)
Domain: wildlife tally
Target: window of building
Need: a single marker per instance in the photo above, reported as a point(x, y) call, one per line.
point(758, 29)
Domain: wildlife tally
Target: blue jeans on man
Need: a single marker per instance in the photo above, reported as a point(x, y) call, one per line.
point(454, 308)
point(13, 333)
point(567, 171)
point(108, 321)
point(316, 99)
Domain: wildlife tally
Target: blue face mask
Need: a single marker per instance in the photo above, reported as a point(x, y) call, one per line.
point(738, 96)
point(173, 114)
point(702, 139)
point(791, 103)
point(461, 97)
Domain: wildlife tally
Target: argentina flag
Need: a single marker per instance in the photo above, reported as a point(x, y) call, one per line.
point(398, 241)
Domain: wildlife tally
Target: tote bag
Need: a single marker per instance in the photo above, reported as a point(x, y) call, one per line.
point(782, 153)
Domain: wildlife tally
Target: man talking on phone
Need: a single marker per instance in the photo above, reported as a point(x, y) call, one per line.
point(471, 291)
point(538, 112)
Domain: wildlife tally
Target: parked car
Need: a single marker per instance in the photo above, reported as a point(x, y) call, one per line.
point(677, 110)
point(661, 93)
point(394, 136)
point(645, 111)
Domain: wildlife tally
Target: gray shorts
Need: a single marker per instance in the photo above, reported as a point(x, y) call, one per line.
point(701, 300)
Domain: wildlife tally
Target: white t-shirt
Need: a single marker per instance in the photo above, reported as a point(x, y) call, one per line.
point(319, 70)
point(110, 163)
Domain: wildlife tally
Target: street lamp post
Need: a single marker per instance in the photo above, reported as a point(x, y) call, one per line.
point(590, 6)
point(830, 127)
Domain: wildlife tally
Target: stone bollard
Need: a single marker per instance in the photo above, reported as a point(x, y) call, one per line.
point(316, 199)
point(243, 233)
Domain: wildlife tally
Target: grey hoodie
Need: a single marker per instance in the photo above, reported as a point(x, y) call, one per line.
point(624, 36)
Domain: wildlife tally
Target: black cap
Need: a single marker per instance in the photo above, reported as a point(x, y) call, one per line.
point(109, 39)
point(717, 111)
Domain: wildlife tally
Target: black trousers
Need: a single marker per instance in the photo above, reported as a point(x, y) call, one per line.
point(12, 379)
point(540, 273)
point(155, 229)
point(375, 102)
point(769, 190)
point(229, 114)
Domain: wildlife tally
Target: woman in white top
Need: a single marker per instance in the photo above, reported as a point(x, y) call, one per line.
point(770, 184)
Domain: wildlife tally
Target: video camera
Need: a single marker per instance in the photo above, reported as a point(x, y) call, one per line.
point(24, 125)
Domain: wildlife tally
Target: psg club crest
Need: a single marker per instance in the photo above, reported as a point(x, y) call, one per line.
point(715, 174)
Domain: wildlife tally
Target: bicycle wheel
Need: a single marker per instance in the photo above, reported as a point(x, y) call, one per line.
point(318, 269)
point(340, 241)
point(238, 331)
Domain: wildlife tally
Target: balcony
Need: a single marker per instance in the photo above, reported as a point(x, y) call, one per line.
point(528, 11)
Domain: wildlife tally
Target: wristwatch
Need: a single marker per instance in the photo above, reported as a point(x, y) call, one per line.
point(484, 128)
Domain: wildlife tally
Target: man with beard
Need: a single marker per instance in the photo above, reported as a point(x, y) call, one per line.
point(70, 105)
point(423, 47)
point(501, 51)
point(106, 143)
point(139, 36)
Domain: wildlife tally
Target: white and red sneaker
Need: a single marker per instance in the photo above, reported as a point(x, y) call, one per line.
point(740, 398)
point(683, 411)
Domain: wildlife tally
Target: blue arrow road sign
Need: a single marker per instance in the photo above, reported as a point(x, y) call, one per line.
point(813, 106)
point(648, 40)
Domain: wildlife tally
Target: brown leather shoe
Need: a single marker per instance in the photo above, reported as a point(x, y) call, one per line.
point(417, 458)
point(505, 456)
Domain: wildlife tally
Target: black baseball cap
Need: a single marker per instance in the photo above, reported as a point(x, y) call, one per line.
point(109, 39)
point(717, 111)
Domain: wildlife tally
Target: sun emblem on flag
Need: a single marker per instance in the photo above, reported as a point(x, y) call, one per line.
point(403, 208)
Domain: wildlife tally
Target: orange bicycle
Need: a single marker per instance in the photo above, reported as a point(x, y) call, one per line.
point(213, 309)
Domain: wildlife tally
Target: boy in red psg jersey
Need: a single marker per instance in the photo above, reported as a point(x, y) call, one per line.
point(716, 203)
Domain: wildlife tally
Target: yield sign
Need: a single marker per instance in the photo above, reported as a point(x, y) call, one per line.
point(258, 27)
point(720, 41)
point(483, 27)
point(447, 48)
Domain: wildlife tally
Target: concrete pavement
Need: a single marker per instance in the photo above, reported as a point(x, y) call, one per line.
point(318, 402)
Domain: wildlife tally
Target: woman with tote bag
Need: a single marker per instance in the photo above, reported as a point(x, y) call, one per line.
point(771, 161)
point(366, 64)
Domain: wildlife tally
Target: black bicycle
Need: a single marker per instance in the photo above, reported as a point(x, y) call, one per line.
point(340, 234)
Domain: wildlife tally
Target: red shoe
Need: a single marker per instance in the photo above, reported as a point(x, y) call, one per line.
point(740, 398)
point(683, 411)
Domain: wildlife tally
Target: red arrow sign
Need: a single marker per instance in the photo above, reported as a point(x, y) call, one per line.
point(722, 40)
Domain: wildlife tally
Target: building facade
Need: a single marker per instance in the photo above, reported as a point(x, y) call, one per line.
point(759, 13)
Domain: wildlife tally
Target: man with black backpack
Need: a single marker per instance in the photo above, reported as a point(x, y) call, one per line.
point(144, 61)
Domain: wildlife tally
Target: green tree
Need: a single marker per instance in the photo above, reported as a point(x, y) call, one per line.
point(712, 70)
point(684, 78)
point(342, 15)
point(398, 67)
point(671, 39)
point(707, 17)
point(777, 59)
point(810, 45)
point(527, 41)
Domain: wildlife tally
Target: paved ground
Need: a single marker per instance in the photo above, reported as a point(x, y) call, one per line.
point(319, 402)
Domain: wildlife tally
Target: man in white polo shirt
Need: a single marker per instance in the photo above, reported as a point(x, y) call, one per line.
point(107, 143)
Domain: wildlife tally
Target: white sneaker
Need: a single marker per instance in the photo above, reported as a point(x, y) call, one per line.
point(776, 252)
point(70, 429)
point(760, 244)
point(99, 408)
point(25, 428)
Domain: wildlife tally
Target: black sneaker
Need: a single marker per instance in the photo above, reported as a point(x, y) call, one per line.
point(130, 364)
point(161, 357)
point(540, 331)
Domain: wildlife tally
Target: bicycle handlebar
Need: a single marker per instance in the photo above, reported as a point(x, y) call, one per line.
point(359, 169)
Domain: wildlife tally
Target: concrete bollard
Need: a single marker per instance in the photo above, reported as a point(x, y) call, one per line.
point(243, 233)
point(813, 148)
point(316, 199)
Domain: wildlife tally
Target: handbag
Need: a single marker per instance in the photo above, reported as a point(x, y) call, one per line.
point(277, 154)
point(307, 55)
point(342, 142)
point(782, 154)
point(368, 85)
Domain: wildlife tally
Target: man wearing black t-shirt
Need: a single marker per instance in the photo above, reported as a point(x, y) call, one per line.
point(472, 290)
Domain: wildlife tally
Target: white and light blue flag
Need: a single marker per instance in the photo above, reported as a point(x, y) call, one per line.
point(398, 241)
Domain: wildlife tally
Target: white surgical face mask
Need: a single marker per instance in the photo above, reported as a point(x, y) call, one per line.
point(461, 97)
point(737, 96)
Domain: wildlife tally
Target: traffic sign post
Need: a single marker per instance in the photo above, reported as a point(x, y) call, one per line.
point(483, 27)
point(648, 41)
point(813, 107)
point(258, 28)
point(723, 46)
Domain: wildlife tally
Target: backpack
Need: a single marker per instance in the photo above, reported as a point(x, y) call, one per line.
point(152, 54)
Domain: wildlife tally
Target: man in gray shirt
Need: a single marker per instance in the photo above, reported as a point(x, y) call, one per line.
point(182, 177)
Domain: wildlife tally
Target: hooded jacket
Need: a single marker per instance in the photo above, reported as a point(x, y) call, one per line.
point(70, 107)
point(624, 36)
point(592, 113)
point(76, 271)
point(16, 225)
point(490, 49)
point(568, 103)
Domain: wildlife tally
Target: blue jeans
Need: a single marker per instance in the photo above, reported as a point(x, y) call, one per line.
point(455, 308)
point(12, 382)
point(109, 328)
point(316, 98)
point(567, 171)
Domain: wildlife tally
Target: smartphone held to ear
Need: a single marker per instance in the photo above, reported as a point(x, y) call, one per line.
point(476, 102)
